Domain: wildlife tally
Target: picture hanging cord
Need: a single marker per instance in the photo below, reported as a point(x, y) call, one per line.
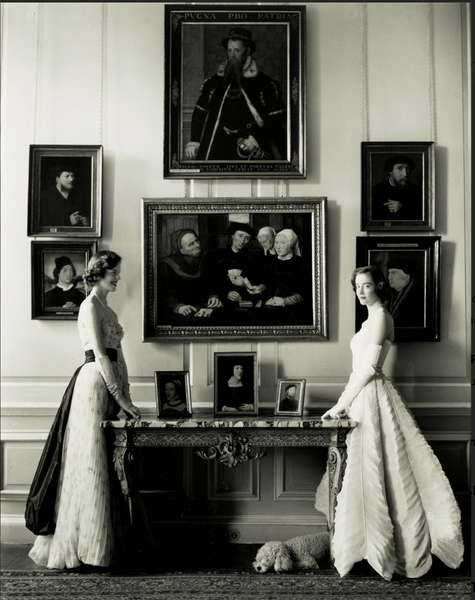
point(430, 73)
point(37, 51)
point(187, 187)
point(363, 73)
point(101, 105)
point(284, 188)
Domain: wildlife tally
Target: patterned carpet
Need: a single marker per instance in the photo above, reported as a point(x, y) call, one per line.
point(324, 584)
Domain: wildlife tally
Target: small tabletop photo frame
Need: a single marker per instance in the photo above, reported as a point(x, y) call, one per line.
point(235, 384)
point(290, 397)
point(173, 394)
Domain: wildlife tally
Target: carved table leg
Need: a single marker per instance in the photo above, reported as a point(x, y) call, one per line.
point(336, 470)
point(123, 456)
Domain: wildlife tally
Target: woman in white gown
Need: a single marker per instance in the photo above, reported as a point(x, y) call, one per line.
point(71, 509)
point(396, 507)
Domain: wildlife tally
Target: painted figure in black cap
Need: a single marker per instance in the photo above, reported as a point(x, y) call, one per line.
point(64, 294)
point(397, 198)
point(231, 265)
point(406, 301)
point(239, 114)
point(62, 204)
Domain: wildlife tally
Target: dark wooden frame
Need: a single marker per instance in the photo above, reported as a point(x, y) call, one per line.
point(216, 21)
point(422, 251)
point(184, 378)
point(226, 360)
point(373, 155)
point(281, 385)
point(311, 211)
point(39, 249)
point(87, 160)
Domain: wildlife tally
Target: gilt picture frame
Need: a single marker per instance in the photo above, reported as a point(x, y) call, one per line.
point(254, 315)
point(411, 265)
point(216, 127)
point(65, 191)
point(57, 287)
point(397, 186)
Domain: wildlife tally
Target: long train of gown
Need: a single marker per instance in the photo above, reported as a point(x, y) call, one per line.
point(83, 531)
point(396, 506)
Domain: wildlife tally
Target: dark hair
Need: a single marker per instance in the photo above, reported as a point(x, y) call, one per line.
point(61, 262)
point(377, 276)
point(399, 158)
point(98, 265)
point(62, 169)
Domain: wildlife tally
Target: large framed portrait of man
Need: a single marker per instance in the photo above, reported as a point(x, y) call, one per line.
point(397, 186)
point(57, 286)
point(65, 191)
point(411, 266)
point(234, 91)
point(234, 268)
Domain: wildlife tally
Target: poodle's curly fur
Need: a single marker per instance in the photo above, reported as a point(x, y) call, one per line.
point(301, 552)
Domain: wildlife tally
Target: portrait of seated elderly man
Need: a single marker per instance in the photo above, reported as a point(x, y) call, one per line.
point(62, 204)
point(397, 198)
point(184, 280)
point(406, 301)
point(239, 114)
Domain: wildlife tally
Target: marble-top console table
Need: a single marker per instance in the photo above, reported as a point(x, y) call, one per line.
point(231, 442)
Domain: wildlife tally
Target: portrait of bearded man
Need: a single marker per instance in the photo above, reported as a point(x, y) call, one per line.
point(239, 114)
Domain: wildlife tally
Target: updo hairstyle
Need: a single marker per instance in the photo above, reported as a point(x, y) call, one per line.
point(382, 288)
point(98, 265)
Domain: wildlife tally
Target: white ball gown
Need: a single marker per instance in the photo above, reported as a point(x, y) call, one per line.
point(396, 507)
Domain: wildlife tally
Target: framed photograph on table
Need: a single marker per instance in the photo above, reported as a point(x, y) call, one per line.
point(235, 91)
point(397, 186)
point(173, 394)
point(211, 269)
point(411, 266)
point(290, 397)
point(65, 191)
point(235, 384)
point(57, 287)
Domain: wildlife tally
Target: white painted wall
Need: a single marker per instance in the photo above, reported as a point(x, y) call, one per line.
point(38, 357)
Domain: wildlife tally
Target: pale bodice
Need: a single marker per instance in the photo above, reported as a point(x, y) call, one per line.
point(112, 332)
point(359, 343)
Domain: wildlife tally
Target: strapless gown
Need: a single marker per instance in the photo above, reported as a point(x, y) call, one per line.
point(84, 532)
point(396, 507)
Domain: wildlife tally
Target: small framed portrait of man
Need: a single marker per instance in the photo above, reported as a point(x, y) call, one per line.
point(290, 397)
point(57, 278)
point(235, 91)
point(397, 186)
point(411, 266)
point(65, 191)
point(235, 384)
point(173, 394)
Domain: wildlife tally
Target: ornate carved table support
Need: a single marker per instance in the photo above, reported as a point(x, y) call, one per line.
point(122, 459)
point(336, 470)
point(231, 450)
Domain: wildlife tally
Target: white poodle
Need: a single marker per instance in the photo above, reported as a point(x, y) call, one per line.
point(301, 552)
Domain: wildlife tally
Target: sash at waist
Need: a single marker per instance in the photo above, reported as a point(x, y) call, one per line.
point(111, 353)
